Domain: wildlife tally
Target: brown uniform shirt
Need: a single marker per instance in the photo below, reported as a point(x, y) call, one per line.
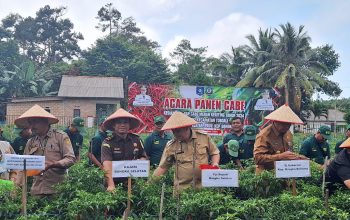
point(189, 155)
point(57, 147)
point(117, 148)
point(268, 145)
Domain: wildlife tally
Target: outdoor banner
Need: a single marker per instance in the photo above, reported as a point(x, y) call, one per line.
point(292, 168)
point(211, 106)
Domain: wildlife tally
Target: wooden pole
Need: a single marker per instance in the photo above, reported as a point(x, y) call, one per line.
point(294, 187)
point(161, 203)
point(128, 206)
point(326, 199)
point(24, 190)
point(324, 176)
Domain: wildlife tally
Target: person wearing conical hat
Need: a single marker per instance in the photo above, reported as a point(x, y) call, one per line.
point(21, 140)
point(338, 171)
point(187, 150)
point(123, 145)
point(274, 142)
point(316, 147)
point(49, 142)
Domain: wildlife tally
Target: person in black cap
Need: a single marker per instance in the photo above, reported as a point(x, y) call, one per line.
point(155, 142)
point(19, 143)
point(75, 133)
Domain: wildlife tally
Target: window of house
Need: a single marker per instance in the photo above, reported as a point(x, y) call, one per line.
point(76, 113)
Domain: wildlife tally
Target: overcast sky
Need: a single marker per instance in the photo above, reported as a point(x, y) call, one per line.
point(217, 24)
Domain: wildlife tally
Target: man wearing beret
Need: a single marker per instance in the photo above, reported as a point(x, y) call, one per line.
point(316, 147)
point(155, 142)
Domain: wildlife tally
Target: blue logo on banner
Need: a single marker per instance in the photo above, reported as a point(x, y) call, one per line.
point(209, 90)
point(200, 90)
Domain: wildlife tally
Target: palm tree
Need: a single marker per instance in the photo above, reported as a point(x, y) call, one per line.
point(287, 66)
point(228, 69)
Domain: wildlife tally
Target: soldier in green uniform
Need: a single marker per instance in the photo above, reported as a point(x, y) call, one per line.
point(94, 153)
point(75, 133)
point(246, 146)
point(236, 133)
point(236, 130)
point(123, 145)
point(155, 142)
point(187, 150)
point(347, 135)
point(316, 147)
point(20, 142)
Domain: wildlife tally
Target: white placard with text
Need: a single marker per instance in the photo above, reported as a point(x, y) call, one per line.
point(220, 178)
point(292, 168)
point(16, 162)
point(130, 168)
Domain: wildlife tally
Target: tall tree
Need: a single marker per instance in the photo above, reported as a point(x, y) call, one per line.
point(116, 56)
point(109, 18)
point(45, 38)
point(190, 64)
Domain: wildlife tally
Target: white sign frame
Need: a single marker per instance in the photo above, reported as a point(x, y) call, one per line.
point(220, 178)
point(292, 169)
point(130, 168)
point(16, 162)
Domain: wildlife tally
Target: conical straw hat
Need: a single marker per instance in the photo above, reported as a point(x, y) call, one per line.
point(34, 112)
point(121, 113)
point(345, 144)
point(284, 114)
point(178, 120)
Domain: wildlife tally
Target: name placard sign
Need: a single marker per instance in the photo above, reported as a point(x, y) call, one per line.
point(219, 178)
point(130, 168)
point(16, 162)
point(292, 168)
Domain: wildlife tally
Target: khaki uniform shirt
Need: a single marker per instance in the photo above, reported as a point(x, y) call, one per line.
point(188, 156)
point(5, 148)
point(268, 145)
point(57, 147)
